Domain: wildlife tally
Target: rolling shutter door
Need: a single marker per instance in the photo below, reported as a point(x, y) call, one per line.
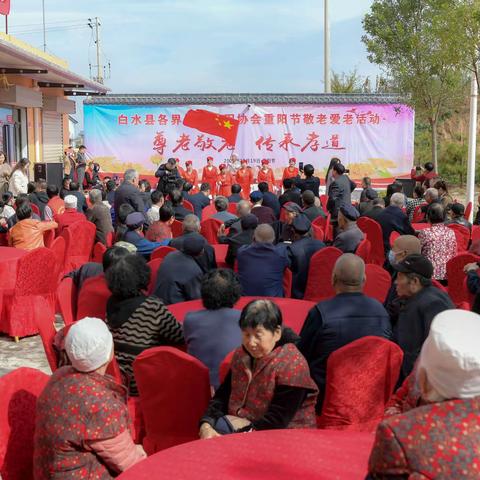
point(52, 137)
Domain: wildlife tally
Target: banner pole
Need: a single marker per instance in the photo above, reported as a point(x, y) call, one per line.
point(6, 24)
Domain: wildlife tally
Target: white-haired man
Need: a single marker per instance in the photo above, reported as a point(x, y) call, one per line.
point(70, 215)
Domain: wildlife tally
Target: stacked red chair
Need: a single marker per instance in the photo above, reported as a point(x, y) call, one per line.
point(208, 211)
point(93, 298)
point(324, 223)
point(19, 391)
point(364, 249)
point(361, 377)
point(209, 229)
point(58, 247)
point(154, 267)
point(47, 333)
point(67, 300)
point(171, 417)
point(378, 282)
point(79, 237)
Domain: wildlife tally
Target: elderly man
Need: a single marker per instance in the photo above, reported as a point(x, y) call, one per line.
point(349, 235)
point(153, 213)
point(269, 198)
point(284, 231)
point(235, 196)
point(431, 197)
point(134, 235)
point(378, 204)
point(99, 214)
point(81, 202)
point(290, 192)
point(439, 439)
point(368, 195)
point(300, 252)
point(264, 214)
point(261, 264)
point(200, 200)
point(243, 208)
point(90, 429)
point(128, 192)
point(70, 215)
point(333, 323)
point(421, 302)
point(180, 274)
point(221, 206)
point(310, 209)
point(392, 219)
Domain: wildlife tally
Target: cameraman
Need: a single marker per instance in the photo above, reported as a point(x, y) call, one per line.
point(169, 177)
point(425, 177)
point(308, 181)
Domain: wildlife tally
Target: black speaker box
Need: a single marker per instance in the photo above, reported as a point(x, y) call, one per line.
point(51, 172)
point(408, 186)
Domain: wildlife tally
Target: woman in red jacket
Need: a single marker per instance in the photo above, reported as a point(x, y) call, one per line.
point(191, 176)
point(244, 177)
point(265, 174)
point(209, 175)
point(291, 171)
point(224, 181)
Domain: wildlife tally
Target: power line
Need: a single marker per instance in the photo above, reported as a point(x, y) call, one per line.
point(50, 23)
point(51, 29)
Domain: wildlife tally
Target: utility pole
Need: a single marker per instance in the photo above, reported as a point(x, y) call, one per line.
point(326, 66)
point(44, 32)
point(472, 145)
point(95, 26)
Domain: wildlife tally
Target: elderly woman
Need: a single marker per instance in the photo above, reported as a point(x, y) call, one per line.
point(269, 384)
point(82, 420)
point(440, 438)
point(137, 322)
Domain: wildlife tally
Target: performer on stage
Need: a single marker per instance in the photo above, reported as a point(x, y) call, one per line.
point(291, 171)
point(180, 170)
point(190, 175)
point(244, 177)
point(224, 181)
point(209, 175)
point(234, 164)
point(265, 174)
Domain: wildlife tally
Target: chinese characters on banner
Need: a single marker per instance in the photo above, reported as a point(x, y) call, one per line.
point(373, 140)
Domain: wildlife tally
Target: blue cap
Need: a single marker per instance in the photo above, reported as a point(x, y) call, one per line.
point(256, 196)
point(135, 220)
point(349, 212)
point(301, 224)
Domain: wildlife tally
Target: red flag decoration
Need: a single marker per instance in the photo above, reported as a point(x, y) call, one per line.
point(213, 123)
point(4, 7)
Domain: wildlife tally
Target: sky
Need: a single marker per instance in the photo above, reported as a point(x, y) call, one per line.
point(201, 46)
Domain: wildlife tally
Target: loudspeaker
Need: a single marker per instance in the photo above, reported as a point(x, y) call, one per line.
point(52, 173)
point(408, 186)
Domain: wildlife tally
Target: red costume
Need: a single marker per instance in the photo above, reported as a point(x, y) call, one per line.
point(191, 177)
point(224, 181)
point(210, 175)
point(266, 176)
point(244, 177)
point(291, 171)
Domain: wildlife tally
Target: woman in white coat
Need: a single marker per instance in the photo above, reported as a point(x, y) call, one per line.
point(19, 178)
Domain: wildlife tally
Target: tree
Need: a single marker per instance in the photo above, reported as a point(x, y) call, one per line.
point(347, 82)
point(406, 39)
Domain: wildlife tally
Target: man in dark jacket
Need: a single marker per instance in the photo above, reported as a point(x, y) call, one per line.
point(128, 192)
point(309, 182)
point(180, 274)
point(348, 316)
point(39, 197)
point(349, 235)
point(81, 202)
point(269, 199)
point(300, 252)
point(291, 193)
point(99, 215)
point(377, 208)
point(200, 200)
point(340, 191)
point(392, 219)
point(310, 210)
point(422, 301)
point(369, 195)
point(235, 197)
point(169, 177)
point(263, 213)
point(177, 204)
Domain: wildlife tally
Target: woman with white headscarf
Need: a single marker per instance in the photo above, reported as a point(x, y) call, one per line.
point(441, 438)
point(82, 420)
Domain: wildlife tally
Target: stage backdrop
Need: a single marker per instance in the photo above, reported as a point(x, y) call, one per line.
point(371, 140)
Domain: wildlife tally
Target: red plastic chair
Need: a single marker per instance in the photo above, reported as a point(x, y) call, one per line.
point(225, 366)
point(475, 233)
point(319, 282)
point(35, 209)
point(92, 298)
point(34, 294)
point(161, 252)
point(110, 238)
point(98, 250)
point(326, 226)
point(177, 229)
point(373, 231)
point(188, 206)
point(58, 247)
point(324, 201)
point(154, 267)
point(318, 232)
point(79, 237)
point(46, 327)
point(393, 236)
point(48, 237)
point(378, 282)
point(232, 208)
point(438, 285)
point(208, 211)
point(363, 250)
point(287, 283)
point(361, 377)
point(171, 417)
point(462, 235)
point(19, 391)
point(67, 300)
point(209, 229)
point(418, 215)
point(220, 254)
point(456, 276)
point(468, 210)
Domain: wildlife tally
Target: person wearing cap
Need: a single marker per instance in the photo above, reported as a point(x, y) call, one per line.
point(134, 235)
point(440, 438)
point(262, 264)
point(137, 321)
point(421, 301)
point(169, 176)
point(244, 177)
point(366, 204)
point(235, 193)
point(310, 209)
point(264, 214)
point(378, 204)
point(190, 175)
point(88, 435)
point(224, 181)
point(221, 206)
point(69, 216)
point(457, 216)
point(392, 219)
point(339, 192)
point(439, 243)
point(180, 274)
point(248, 224)
point(300, 252)
point(284, 231)
point(265, 174)
point(292, 170)
point(349, 235)
point(308, 181)
point(290, 193)
point(348, 316)
point(210, 175)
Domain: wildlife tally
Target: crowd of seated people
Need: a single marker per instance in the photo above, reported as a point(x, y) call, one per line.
point(277, 379)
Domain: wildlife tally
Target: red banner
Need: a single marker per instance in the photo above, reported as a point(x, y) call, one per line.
point(4, 7)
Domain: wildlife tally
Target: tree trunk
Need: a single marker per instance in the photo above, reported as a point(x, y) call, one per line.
point(433, 125)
